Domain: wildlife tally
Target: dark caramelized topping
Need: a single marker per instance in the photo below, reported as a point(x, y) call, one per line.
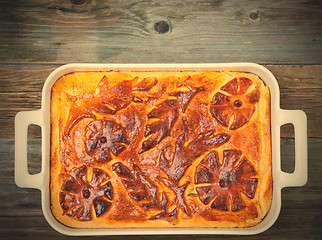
point(217, 140)
point(206, 168)
point(108, 191)
point(69, 186)
point(163, 205)
point(102, 108)
point(220, 99)
point(227, 180)
point(220, 203)
point(100, 206)
point(145, 85)
point(166, 115)
point(237, 86)
point(86, 193)
point(79, 173)
point(223, 108)
point(104, 137)
point(122, 170)
point(99, 176)
point(184, 98)
point(204, 175)
point(222, 114)
point(139, 186)
point(62, 197)
point(205, 194)
point(184, 155)
point(239, 121)
point(164, 214)
point(223, 183)
point(253, 97)
point(78, 195)
point(238, 103)
point(237, 203)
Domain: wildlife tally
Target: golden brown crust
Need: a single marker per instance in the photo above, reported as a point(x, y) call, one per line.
point(160, 149)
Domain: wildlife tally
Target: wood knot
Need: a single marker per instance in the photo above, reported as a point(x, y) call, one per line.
point(162, 27)
point(78, 2)
point(254, 15)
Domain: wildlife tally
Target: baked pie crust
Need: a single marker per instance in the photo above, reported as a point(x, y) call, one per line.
point(160, 149)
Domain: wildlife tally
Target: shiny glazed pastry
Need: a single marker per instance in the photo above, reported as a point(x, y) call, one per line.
point(160, 149)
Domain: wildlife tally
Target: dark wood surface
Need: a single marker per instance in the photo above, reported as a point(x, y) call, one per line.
point(38, 36)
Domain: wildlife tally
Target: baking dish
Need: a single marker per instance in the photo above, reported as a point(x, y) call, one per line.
point(278, 117)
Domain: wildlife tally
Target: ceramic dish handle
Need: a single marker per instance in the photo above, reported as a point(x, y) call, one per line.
point(299, 176)
point(22, 177)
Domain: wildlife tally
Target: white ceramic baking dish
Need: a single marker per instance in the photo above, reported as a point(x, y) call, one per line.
point(279, 117)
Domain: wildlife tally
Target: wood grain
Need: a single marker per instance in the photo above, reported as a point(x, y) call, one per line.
point(21, 85)
point(124, 31)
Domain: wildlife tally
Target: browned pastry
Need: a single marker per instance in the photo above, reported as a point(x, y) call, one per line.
point(160, 149)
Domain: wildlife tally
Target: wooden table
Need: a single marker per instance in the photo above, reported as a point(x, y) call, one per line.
point(38, 36)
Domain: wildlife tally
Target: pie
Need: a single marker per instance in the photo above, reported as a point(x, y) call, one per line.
point(160, 149)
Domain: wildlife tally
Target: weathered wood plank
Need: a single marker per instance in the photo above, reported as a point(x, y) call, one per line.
point(123, 31)
point(21, 85)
